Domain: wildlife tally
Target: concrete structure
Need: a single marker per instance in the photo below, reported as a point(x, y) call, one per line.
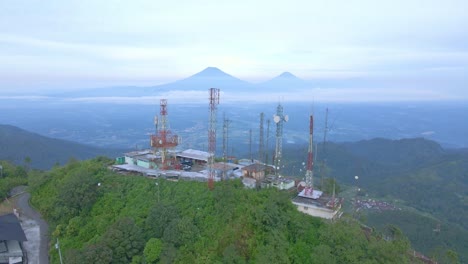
point(142, 158)
point(280, 183)
point(11, 238)
point(224, 168)
point(256, 171)
point(319, 206)
point(165, 174)
point(284, 184)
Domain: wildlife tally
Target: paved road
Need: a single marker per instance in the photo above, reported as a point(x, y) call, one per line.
point(28, 213)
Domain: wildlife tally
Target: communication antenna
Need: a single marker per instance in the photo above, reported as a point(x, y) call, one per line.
point(164, 139)
point(250, 144)
point(279, 118)
point(310, 161)
point(214, 102)
point(226, 123)
point(324, 160)
point(260, 143)
point(267, 142)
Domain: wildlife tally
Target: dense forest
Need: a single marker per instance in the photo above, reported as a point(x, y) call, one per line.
point(416, 173)
point(429, 182)
point(100, 216)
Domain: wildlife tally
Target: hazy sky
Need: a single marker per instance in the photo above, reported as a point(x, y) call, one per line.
point(58, 44)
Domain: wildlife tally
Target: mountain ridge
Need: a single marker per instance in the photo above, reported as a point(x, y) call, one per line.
point(16, 145)
point(210, 77)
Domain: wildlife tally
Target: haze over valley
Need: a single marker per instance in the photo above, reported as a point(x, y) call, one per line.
point(378, 175)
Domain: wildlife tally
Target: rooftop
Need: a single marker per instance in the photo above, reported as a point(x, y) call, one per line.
point(194, 154)
point(315, 194)
point(255, 167)
point(138, 153)
point(10, 228)
point(225, 166)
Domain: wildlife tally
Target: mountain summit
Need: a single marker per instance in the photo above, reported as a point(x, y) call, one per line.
point(211, 72)
point(285, 80)
point(210, 77)
point(286, 75)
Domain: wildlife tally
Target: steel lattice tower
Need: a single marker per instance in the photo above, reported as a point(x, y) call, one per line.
point(163, 139)
point(279, 119)
point(163, 132)
point(250, 144)
point(226, 123)
point(214, 101)
point(310, 160)
point(260, 143)
point(267, 142)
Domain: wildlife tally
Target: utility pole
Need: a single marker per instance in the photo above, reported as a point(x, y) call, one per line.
point(57, 246)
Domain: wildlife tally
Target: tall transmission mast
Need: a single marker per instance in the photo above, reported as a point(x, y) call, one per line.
point(310, 160)
point(214, 102)
point(250, 144)
point(267, 142)
point(260, 143)
point(226, 123)
point(164, 139)
point(224, 137)
point(324, 160)
point(163, 132)
point(279, 119)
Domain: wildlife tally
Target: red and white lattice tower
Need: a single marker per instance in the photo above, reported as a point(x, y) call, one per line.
point(310, 161)
point(164, 139)
point(214, 101)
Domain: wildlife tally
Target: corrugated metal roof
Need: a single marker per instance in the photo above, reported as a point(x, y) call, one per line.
point(255, 167)
point(10, 228)
point(194, 154)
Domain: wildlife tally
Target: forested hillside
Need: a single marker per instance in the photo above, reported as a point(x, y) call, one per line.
point(417, 172)
point(11, 176)
point(103, 217)
point(36, 151)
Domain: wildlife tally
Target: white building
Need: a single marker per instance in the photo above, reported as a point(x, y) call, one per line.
point(318, 205)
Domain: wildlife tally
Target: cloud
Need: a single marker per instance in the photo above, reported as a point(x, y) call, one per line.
point(104, 42)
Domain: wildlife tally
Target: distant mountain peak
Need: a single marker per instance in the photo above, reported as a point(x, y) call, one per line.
point(287, 75)
point(211, 72)
point(211, 77)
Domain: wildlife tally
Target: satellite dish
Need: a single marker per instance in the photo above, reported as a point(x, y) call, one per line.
point(160, 141)
point(276, 118)
point(286, 118)
point(155, 120)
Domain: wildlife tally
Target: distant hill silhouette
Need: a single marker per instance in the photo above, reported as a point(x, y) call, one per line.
point(286, 81)
point(16, 144)
point(211, 77)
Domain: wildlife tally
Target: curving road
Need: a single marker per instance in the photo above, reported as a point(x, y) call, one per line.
point(37, 247)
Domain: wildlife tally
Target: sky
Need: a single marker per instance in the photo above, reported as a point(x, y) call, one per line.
point(76, 44)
